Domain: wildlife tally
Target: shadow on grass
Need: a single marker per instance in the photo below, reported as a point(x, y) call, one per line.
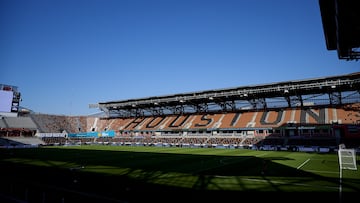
point(74, 175)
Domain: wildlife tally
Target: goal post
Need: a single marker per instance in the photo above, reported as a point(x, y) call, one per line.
point(347, 160)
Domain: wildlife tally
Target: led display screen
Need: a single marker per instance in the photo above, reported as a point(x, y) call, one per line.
point(6, 98)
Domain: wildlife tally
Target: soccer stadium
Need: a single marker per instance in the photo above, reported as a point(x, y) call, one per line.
point(278, 137)
point(286, 141)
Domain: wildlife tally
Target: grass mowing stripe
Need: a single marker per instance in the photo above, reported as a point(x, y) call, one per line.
point(316, 171)
point(290, 183)
point(194, 167)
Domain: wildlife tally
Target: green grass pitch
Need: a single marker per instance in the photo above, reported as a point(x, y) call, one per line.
point(128, 174)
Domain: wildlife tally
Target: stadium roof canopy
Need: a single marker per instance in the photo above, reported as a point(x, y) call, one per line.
point(333, 90)
point(341, 25)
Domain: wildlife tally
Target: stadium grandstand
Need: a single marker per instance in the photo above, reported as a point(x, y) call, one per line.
point(315, 115)
point(311, 115)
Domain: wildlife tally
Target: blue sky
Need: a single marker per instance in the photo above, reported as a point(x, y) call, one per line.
point(66, 54)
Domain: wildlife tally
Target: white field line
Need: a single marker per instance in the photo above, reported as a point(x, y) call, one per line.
point(315, 171)
point(301, 165)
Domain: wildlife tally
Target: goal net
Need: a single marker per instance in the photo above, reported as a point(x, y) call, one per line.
point(347, 158)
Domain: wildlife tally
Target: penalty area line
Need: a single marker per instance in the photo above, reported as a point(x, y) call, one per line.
point(301, 165)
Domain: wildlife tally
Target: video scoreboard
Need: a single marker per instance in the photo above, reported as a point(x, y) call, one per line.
point(9, 99)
